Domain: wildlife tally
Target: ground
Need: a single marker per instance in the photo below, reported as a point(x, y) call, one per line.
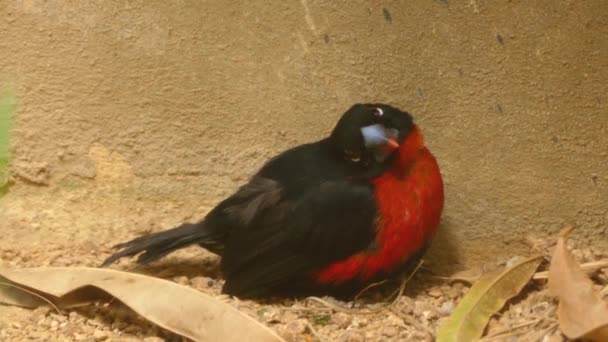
point(55, 227)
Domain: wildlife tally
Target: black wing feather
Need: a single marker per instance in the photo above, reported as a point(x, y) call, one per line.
point(281, 249)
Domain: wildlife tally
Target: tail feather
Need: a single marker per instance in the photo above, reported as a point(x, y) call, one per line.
point(156, 245)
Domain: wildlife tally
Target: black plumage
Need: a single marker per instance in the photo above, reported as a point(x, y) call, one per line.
point(305, 208)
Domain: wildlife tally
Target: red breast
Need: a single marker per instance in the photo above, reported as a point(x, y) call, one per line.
point(410, 200)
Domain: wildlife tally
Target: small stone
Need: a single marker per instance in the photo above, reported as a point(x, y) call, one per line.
point(298, 326)
point(341, 319)
point(294, 330)
point(270, 314)
point(59, 318)
point(183, 280)
point(54, 325)
point(100, 335)
point(390, 331)
point(446, 308)
point(199, 282)
point(406, 305)
point(42, 311)
point(93, 322)
point(424, 309)
point(351, 336)
point(587, 255)
point(359, 322)
point(435, 293)
point(79, 337)
point(453, 292)
point(153, 339)
point(40, 335)
point(555, 337)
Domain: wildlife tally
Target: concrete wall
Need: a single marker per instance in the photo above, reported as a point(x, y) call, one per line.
point(180, 101)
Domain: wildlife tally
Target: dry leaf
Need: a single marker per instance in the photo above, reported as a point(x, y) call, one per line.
point(469, 276)
point(582, 313)
point(588, 268)
point(177, 308)
point(484, 299)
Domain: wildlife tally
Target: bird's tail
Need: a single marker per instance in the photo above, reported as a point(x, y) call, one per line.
point(156, 245)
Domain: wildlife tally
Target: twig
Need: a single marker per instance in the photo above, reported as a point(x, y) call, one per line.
point(588, 267)
point(33, 294)
point(334, 307)
point(370, 286)
point(510, 331)
point(398, 292)
point(404, 282)
point(410, 320)
point(314, 332)
point(547, 331)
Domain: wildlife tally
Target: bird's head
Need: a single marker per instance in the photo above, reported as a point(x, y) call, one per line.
point(370, 133)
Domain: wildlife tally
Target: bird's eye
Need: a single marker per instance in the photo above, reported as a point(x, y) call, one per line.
point(378, 112)
point(352, 156)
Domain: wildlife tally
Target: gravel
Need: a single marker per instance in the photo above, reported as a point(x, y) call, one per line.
point(67, 233)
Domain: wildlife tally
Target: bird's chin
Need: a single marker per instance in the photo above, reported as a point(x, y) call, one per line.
point(383, 153)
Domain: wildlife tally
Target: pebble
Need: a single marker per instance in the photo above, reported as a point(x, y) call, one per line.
point(79, 337)
point(294, 330)
point(390, 331)
point(42, 311)
point(406, 305)
point(453, 292)
point(351, 336)
point(555, 337)
point(435, 293)
point(100, 335)
point(298, 326)
point(153, 339)
point(425, 310)
point(446, 308)
point(369, 335)
point(359, 322)
point(183, 280)
point(199, 282)
point(341, 319)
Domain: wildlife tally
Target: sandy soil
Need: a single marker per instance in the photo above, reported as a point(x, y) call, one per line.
point(51, 227)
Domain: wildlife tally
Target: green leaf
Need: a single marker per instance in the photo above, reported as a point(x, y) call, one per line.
point(321, 320)
point(484, 299)
point(7, 106)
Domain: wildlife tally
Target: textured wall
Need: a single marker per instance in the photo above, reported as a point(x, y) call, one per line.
point(180, 101)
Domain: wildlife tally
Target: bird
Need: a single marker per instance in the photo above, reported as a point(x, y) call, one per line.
point(323, 218)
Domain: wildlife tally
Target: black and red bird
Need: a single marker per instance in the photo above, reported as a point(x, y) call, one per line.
point(322, 217)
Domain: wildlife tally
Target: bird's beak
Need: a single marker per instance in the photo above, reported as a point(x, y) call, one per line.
point(380, 140)
point(392, 142)
point(379, 136)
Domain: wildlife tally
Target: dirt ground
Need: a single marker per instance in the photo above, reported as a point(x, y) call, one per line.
point(57, 227)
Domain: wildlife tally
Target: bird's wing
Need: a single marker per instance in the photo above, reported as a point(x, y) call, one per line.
point(300, 235)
